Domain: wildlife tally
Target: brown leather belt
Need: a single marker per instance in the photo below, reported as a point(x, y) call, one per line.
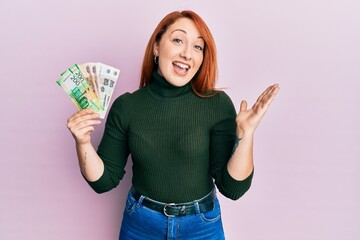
point(206, 204)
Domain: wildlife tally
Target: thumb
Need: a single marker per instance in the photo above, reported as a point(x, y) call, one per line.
point(243, 106)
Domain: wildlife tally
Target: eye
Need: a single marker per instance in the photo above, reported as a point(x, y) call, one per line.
point(198, 47)
point(177, 40)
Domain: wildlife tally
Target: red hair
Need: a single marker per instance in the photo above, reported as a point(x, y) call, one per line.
point(205, 78)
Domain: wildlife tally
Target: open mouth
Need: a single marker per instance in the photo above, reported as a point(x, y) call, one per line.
point(181, 67)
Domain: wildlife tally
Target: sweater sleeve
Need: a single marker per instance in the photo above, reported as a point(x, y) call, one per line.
point(113, 148)
point(221, 146)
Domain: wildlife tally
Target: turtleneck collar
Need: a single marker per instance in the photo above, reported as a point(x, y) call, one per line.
point(163, 88)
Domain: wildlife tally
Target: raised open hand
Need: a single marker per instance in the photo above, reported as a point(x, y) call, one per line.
point(247, 120)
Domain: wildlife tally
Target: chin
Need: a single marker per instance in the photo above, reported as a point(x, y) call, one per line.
point(180, 83)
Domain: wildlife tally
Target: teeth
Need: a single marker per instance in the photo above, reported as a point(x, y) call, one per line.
point(182, 65)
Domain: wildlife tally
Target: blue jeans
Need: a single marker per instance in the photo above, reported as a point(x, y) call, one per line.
point(142, 223)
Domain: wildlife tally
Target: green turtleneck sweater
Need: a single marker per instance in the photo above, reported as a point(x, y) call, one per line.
point(179, 143)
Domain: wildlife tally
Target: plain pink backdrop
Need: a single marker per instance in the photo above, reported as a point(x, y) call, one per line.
point(306, 183)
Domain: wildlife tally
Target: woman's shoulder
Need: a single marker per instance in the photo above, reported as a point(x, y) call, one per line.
point(222, 103)
point(219, 96)
point(128, 97)
point(121, 99)
point(123, 106)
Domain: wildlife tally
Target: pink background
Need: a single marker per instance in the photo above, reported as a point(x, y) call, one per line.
point(306, 183)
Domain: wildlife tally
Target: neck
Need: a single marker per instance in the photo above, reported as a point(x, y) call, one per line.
point(163, 88)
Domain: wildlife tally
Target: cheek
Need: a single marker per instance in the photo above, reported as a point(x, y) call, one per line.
point(167, 51)
point(164, 67)
point(165, 60)
point(199, 61)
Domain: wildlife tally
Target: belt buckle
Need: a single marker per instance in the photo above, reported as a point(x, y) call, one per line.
point(164, 209)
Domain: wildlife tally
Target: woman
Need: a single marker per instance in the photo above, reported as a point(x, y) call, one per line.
point(183, 136)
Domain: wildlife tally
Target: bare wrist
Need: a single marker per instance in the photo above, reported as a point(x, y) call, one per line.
point(241, 134)
point(80, 145)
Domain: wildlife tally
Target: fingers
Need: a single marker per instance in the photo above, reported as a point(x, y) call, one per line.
point(270, 97)
point(243, 106)
point(266, 98)
point(81, 117)
point(263, 94)
point(81, 113)
point(86, 123)
point(81, 124)
point(86, 130)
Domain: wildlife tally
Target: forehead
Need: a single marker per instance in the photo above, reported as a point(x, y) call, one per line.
point(184, 24)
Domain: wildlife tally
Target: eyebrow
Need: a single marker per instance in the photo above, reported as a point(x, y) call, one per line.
point(181, 30)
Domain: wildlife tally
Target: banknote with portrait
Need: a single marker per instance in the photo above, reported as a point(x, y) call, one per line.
point(90, 85)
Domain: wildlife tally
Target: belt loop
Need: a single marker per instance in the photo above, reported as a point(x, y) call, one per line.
point(140, 201)
point(197, 208)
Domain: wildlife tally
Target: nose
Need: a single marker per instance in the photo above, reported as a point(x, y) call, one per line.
point(186, 52)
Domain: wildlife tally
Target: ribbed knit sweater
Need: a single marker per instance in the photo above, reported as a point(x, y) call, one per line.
point(179, 143)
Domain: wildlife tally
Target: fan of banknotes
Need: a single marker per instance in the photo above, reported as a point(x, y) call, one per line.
point(90, 85)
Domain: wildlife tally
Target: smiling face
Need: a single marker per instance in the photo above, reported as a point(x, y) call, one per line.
point(180, 52)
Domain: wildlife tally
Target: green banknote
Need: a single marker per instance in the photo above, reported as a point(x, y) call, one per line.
point(90, 85)
point(79, 90)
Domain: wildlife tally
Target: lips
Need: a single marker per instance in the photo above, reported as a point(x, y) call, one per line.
point(181, 65)
point(181, 68)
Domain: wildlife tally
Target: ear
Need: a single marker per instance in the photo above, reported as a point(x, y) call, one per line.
point(156, 49)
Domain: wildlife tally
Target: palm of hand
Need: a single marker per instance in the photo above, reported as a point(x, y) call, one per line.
point(247, 120)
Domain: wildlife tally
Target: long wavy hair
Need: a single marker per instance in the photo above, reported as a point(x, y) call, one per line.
point(204, 81)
